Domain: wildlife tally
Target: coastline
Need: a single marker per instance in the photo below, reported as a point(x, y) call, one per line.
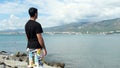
point(19, 60)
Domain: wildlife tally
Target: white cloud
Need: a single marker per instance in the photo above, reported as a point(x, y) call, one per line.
point(13, 22)
point(12, 8)
point(57, 12)
point(67, 11)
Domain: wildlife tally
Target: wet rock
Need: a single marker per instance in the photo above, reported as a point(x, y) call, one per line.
point(9, 66)
point(23, 54)
point(3, 52)
point(2, 63)
point(5, 65)
point(7, 58)
point(15, 67)
point(17, 54)
point(19, 59)
point(61, 65)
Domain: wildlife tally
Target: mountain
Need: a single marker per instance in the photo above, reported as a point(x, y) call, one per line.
point(65, 28)
point(105, 27)
point(108, 26)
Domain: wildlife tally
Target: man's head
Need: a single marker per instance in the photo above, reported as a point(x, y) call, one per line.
point(33, 12)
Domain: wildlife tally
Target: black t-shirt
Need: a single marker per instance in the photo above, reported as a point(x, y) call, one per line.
point(32, 28)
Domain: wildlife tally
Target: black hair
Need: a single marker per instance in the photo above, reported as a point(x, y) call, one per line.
point(32, 11)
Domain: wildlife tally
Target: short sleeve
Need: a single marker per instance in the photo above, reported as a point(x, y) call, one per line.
point(39, 28)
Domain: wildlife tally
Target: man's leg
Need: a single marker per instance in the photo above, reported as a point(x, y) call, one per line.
point(38, 59)
point(30, 62)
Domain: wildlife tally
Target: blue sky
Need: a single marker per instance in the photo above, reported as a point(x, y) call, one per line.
point(14, 13)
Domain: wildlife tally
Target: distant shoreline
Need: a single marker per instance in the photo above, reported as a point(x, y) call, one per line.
point(52, 33)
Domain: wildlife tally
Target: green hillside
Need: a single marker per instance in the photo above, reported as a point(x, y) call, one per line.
point(103, 26)
point(112, 25)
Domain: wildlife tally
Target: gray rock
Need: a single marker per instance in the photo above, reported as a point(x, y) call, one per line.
point(23, 54)
point(17, 54)
point(19, 60)
point(3, 52)
point(61, 65)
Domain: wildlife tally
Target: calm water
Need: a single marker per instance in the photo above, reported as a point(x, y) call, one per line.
point(76, 51)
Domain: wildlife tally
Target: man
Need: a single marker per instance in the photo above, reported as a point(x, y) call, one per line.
point(35, 45)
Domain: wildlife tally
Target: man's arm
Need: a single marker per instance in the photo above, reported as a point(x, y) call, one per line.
point(26, 37)
point(41, 41)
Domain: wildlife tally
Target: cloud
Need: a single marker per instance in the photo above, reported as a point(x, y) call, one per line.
point(67, 11)
point(13, 22)
point(58, 12)
point(12, 8)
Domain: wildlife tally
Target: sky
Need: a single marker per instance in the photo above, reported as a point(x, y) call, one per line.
point(14, 13)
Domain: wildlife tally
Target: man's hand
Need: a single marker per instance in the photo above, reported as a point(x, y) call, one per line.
point(41, 41)
point(45, 52)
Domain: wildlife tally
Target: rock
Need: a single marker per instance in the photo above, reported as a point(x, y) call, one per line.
point(5, 65)
point(19, 61)
point(3, 52)
point(17, 54)
point(2, 63)
point(23, 54)
point(9, 66)
point(61, 65)
point(20, 57)
point(15, 67)
point(3, 57)
point(7, 58)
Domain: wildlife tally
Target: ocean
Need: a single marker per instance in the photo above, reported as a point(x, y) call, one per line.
point(76, 51)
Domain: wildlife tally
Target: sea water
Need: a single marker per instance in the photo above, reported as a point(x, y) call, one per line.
point(76, 51)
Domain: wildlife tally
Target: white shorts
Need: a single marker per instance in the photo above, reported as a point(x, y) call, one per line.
point(36, 58)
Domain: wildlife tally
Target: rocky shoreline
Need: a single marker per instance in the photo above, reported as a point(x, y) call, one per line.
point(19, 60)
